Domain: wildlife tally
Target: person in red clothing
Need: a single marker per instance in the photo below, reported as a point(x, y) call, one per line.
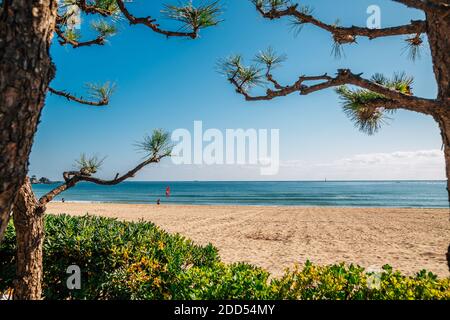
point(168, 191)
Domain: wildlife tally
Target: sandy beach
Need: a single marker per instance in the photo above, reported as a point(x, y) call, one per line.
point(276, 238)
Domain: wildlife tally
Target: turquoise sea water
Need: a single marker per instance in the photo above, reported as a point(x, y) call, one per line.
point(430, 194)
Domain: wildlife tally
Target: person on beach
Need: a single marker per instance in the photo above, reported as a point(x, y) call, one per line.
point(168, 191)
point(158, 202)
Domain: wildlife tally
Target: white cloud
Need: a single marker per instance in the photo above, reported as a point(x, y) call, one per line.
point(395, 158)
point(410, 165)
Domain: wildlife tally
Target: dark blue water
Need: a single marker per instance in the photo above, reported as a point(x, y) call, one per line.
point(430, 194)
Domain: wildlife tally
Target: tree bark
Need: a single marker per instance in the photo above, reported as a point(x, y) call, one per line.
point(448, 258)
point(26, 69)
point(442, 117)
point(438, 26)
point(445, 132)
point(446, 138)
point(29, 224)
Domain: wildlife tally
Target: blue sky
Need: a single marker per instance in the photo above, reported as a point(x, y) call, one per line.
point(169, 83)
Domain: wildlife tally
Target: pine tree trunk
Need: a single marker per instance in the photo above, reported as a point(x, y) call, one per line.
point(446, 139)
point(26, 29)
point(29, 225)
point(448, 257)
point(438, 26)
point(443, 119)
point(444, 124)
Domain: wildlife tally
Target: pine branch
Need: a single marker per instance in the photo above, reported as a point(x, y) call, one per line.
point(195, 18)
point(403, 99)
point(426, 5)
point(102, 94)
point(341, 35)
point(158, 148)
point(64, 40)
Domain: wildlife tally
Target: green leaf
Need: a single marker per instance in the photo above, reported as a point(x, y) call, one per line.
point(270, 58)
point(101, 92)
point(358, 104)
point(193, 17)
point(157, 145)
point(104, 28)
point(89, 165)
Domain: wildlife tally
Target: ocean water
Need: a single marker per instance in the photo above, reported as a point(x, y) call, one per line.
point(427, 194)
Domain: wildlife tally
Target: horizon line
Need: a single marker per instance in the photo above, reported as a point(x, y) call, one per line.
point(323, 180)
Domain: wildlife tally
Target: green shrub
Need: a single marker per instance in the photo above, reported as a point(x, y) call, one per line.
point(237, 281)
point(7, 259)
point(425, 285)
point(138, 260)
point(105, 249)
point(337, 282)
point(342, 282)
